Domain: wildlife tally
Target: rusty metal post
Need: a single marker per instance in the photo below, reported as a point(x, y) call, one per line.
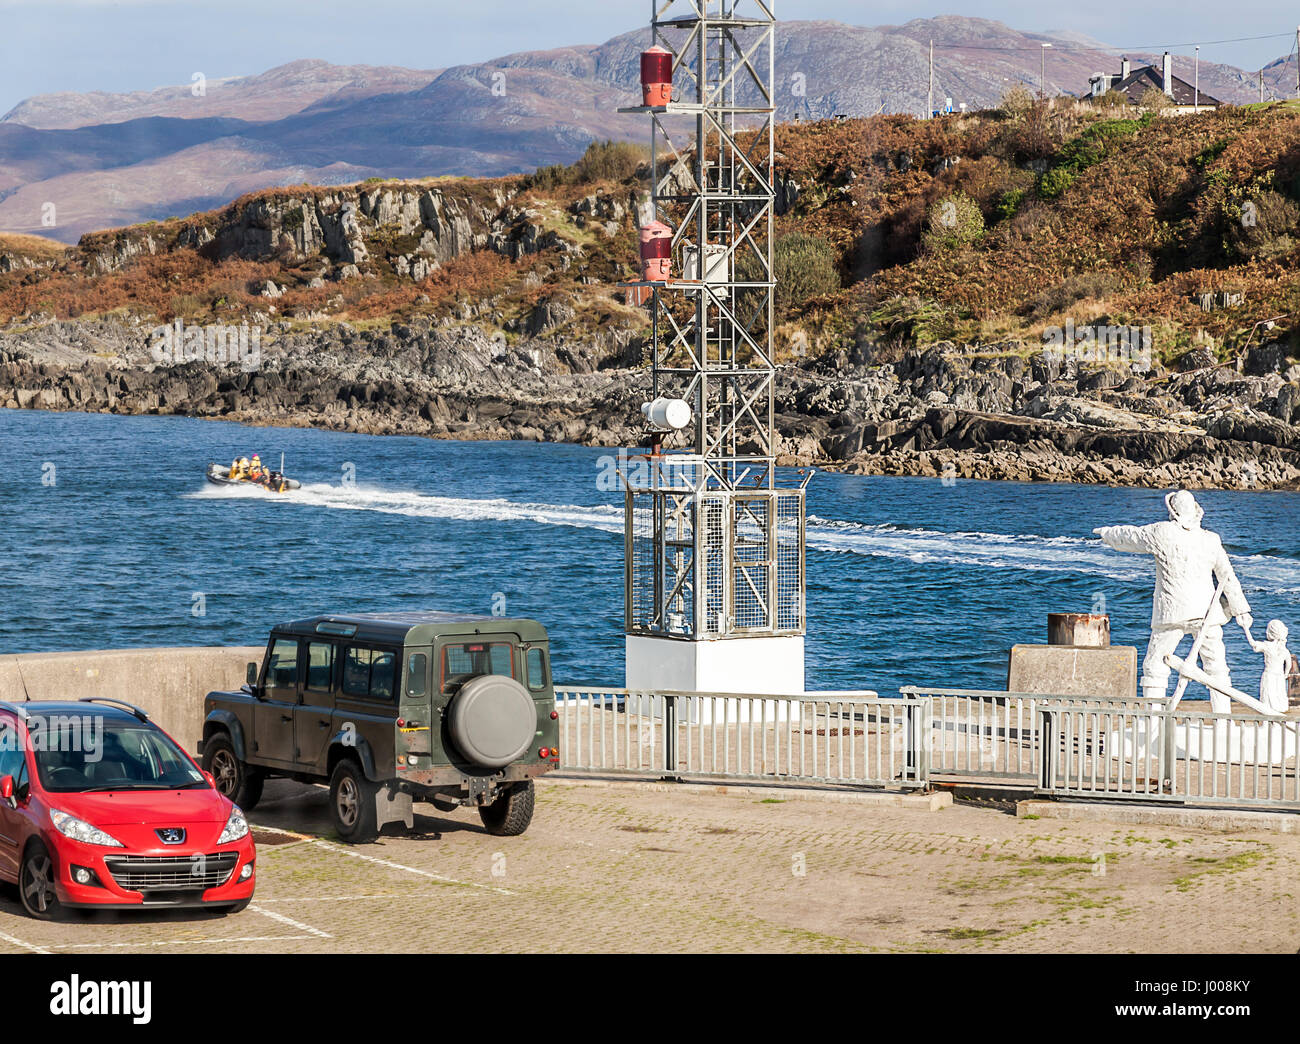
point(1088, 630)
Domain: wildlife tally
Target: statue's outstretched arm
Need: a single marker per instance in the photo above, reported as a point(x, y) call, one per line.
point(1138, 539)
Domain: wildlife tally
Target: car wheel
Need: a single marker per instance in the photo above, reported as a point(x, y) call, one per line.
point(235, 780)
point(352, 803)
point(510, 814)
point(36, 883)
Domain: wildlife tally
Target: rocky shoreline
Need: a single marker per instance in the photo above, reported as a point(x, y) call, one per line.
point(993, 413)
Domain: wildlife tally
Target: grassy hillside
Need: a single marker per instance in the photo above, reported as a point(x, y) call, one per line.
point(984, 229)
point(33, 248)
point(1077, 214)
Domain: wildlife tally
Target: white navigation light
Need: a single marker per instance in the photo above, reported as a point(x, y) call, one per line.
point(667, 414)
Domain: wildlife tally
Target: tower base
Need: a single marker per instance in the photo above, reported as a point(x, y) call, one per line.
point(761, 666)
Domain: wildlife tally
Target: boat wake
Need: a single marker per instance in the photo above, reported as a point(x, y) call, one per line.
point(979, 550)
point(982, 550)
point(421, 505)
point(1028, 552)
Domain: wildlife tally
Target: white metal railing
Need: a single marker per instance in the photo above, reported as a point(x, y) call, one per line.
point(1066, 746)
point(984, 734)
point(1159, 755)
point(852, 738)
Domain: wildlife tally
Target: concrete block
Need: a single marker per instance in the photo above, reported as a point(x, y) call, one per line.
point(1224, 820)
point(765, 666)
point(169, 684)
point(935, 801)
point(1070, 670)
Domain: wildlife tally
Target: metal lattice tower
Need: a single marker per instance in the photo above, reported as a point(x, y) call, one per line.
point(714, 549)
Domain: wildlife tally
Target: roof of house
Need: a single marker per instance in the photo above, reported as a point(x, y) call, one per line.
point(1138, 82)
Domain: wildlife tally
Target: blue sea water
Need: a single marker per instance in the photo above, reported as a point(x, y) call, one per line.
point(111, 538)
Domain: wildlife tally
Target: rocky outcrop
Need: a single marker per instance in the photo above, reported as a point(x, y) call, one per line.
point(941, 412)
point(447, 381)
point(16, 262)
point(329, 225)
point(973, 445)
point(994, 414)
point(412, 228)
point(120, 248)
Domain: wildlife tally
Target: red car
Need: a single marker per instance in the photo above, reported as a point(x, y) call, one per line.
point(99, 807)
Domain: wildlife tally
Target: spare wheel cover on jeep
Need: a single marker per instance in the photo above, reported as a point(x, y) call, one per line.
point(492, 720)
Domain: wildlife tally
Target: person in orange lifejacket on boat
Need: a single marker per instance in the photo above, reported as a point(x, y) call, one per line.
point(239, 468)
point(255, 472)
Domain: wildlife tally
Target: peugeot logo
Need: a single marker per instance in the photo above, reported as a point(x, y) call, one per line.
point(171, 835)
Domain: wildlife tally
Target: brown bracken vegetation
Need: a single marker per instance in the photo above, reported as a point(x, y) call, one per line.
point(1104, 214)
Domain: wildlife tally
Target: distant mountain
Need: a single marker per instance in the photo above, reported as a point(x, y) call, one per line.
point(271, 95)
point(111, 159)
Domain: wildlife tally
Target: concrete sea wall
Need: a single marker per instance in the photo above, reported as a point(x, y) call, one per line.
point(167, 683)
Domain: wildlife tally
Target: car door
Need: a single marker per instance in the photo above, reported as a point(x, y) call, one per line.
point(413, 704)
point(312, 715)
point(12, 763)
point(366, 703)
point(273, 714)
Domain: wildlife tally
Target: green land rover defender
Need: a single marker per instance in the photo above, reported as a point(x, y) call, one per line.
point(391, 708)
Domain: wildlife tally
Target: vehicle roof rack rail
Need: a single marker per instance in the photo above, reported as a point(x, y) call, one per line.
point(137, 711)
point(15, 709)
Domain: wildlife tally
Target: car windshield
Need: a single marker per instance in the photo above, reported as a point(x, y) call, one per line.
point(88, 752)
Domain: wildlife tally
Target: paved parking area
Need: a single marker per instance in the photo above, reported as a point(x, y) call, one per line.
point(617, 868)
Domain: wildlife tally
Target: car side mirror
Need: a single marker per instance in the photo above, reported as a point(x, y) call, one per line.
point(250, 675)
point(7, 790)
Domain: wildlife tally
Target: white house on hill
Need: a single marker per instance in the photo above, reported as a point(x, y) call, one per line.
point(1183, 96)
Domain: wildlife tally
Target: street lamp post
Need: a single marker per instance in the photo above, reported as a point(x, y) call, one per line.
point(1196, 90)
point(1042, 70)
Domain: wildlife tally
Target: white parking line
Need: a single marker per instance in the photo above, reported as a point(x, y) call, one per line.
point(381, 862)
point(291, 922)
point(179, 942)
point(24, 945)
point(410, 869)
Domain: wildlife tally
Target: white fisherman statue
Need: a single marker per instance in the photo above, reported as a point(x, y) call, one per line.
point(1194, 580)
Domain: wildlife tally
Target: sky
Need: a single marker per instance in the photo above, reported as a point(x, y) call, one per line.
point(122, 45)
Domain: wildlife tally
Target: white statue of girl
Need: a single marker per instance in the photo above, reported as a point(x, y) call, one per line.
point(1277, 666)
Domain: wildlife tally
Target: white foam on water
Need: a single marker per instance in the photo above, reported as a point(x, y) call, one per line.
point(980, 550)
point(246, 491)
point(422, 505)
point(1062, 554)
point(1268, 573)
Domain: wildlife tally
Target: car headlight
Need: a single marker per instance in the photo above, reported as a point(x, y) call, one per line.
point(80, 830)
point(236, 827)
